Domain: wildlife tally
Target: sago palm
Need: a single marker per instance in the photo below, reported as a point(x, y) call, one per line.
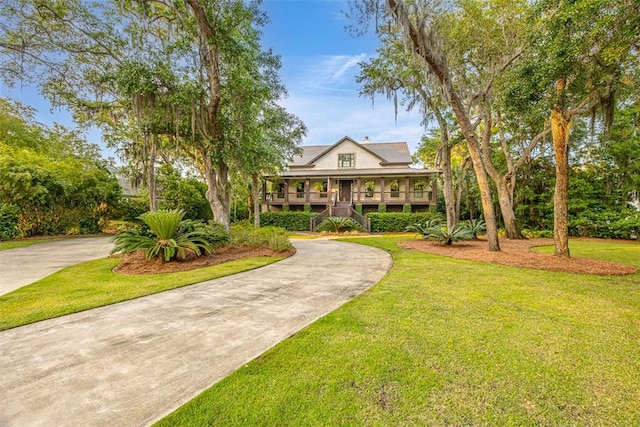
point(167, 239)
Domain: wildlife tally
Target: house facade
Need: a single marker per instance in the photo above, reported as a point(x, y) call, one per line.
point(349, 173)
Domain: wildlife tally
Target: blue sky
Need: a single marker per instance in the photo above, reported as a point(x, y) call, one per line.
point(319, 66)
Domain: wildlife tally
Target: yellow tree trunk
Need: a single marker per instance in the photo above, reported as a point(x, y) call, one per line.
point(560, 128)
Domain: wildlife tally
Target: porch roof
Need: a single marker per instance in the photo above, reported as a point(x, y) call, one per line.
point(354, 173)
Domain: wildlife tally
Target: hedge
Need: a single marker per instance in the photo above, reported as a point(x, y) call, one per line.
point(292, 221)
point(606, 225)
point(9, 221)
point(395, 221)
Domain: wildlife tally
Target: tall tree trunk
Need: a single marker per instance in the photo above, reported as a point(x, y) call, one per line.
point(217, 193)
point(423, 46)
point(151, 173)
point(447, 186)
point(560, 128)
point(255, 194)
point(505, 199)
point(502, 182)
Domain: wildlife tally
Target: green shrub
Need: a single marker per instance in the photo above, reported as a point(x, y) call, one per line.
point(130, 208)
point(188, 194)
point(285, 207)
point(307, 207)
point(274, 238)
point(9, 221)
point(606, 225)
point(337, 224)
point(433, 230)
point(292, 221)
point(397, 222)
point(406, 208)
point(382, 208)
point(475, 226)
point(359, 208)
point(167, 237)
point(89, 225)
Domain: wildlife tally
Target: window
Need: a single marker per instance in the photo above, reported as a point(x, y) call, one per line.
point(281, 190)
point(299, 186)
point(395, 188)
point(369, 186)
point(321, 188)
point(346, 160)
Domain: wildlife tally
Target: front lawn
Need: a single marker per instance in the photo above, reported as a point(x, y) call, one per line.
point(93, 284)
point(441, 341)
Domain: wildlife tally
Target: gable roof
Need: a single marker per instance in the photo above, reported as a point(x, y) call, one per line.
point(387, 152)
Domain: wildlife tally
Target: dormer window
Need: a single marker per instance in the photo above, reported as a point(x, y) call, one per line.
point(347, 160)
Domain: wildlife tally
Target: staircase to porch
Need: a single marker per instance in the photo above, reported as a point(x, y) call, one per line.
point(341, 209)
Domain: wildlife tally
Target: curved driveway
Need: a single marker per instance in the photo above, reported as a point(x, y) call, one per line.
point(21, 266)
point(131, 363)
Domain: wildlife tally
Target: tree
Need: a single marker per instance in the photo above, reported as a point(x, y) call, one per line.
point(577, 58)
point(198, 80)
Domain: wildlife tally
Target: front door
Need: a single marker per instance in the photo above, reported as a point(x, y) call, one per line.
point(345, 191)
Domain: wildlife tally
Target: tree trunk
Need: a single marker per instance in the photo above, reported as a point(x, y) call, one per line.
point(151, 174)
point(502, 182)
point(447, 186)
point(560, 128)
point(217, 193)
point(256, 199)
point(511, 228)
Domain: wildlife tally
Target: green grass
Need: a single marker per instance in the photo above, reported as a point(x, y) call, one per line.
point(441, 341)
point(623, 252)
point(93, 284)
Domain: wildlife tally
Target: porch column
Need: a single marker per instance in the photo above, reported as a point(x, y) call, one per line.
point(406, 190)
point(358, 182)
point(286, 191)
point(307, 185)
point(381, 189)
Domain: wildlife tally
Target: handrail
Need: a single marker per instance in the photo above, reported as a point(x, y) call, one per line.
point(360, 219)
point(317, 220)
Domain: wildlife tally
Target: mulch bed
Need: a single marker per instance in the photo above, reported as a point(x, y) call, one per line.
point(518, 253)
point(137, 264)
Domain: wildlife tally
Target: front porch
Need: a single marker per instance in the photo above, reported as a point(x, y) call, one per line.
point(318, 193)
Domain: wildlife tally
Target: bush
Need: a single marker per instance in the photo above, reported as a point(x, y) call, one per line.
point(359, 208)
point(433, 230)
point(337, 224)
point(382, 208)
point(606, 225)
point(167, 236)
point(397, 222)
point(9, 221)
point(307, 207)
point(274, 238)
point(406, 208)
point(292, 221)
point(476, 226)
point(130, 208)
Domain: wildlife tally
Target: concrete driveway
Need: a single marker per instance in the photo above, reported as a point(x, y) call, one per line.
point(129, 364)
point(21, 266)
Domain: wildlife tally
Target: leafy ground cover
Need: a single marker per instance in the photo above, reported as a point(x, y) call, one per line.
point(94, 284)
point(445, 341)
